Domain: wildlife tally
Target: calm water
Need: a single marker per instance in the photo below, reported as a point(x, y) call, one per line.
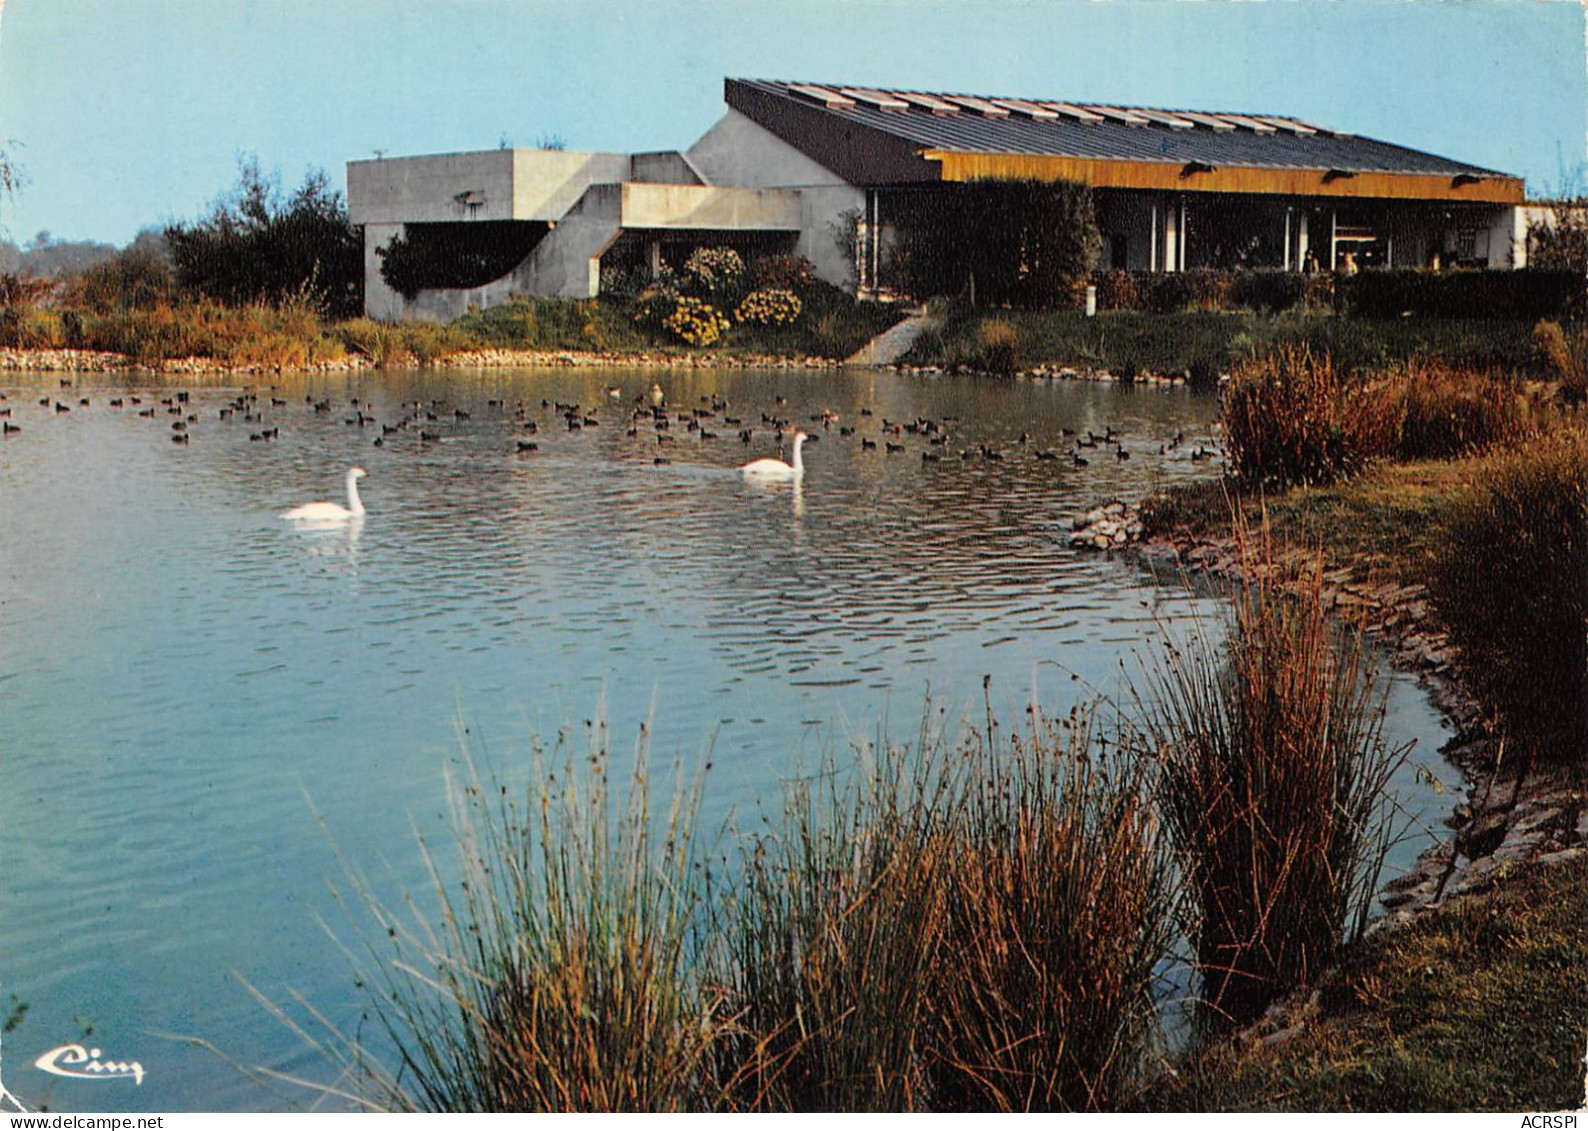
point(186, 681)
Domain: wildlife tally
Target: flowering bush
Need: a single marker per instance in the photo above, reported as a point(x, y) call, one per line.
point(714, 269)
point(769, 306)
point(696, 322)
point(786, 271)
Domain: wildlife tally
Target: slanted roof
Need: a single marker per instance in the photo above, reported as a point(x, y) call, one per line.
point(881, 136)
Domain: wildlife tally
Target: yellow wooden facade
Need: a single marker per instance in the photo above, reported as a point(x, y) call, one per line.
point(1175, 177)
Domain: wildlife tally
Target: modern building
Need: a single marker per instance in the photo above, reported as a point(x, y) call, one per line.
point(815, 168)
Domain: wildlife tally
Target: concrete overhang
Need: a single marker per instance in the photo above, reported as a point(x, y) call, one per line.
point(709, 207)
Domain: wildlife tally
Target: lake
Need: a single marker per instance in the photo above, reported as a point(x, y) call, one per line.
point(197, 699)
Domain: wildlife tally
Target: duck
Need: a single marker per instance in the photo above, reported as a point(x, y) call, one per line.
point(332, 512)
point(775, 470)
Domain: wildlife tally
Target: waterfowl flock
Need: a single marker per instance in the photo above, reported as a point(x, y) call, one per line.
point(659, 429)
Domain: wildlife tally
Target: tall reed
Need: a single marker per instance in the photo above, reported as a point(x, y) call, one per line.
point(1058, 910)
point(558, 975)
point(1510, 580)
point(964, 925)
point(834, 933)
point(1274, 785)
point(1295, 418)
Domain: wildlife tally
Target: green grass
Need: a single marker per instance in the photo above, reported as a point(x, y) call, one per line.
point(1172, 343)
point(1480, 1008)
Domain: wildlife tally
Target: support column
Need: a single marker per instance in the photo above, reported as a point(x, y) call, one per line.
point(1302, 246)
point(1171, 237)
point(1152, 241)
point(1181, 235)
point(653, 253)
point(1334, 238)
point(1286, 243)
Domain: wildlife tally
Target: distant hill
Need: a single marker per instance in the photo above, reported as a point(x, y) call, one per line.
point(44, 257)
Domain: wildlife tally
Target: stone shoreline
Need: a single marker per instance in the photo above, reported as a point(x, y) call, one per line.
point(97, 361)
point(1508, 821)
point(1050, 372)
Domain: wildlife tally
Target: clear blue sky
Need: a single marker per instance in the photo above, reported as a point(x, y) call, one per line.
point(126, 113)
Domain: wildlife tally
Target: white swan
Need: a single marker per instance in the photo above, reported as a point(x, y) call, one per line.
point(775, 470)
point(332, 512)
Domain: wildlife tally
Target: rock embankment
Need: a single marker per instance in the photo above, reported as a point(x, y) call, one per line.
point(503, 358)
point(1112, 526)
point(1514, 815)
point(99, 361)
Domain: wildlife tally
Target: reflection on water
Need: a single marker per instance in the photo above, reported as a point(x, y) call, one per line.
point(180, 668)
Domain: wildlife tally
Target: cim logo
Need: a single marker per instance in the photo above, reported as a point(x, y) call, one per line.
point(78, 1063)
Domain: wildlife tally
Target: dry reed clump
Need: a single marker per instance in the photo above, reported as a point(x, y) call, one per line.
point(559, 976)
point(966, 927)
point(1273, 786)
point(1565, 359)
point(1059, 908)
point(975, 925)
point(831, 937)
point(1294, 418)
point(1509, 584)
point(381, 342)
point(1443, 412)
point(999, 343)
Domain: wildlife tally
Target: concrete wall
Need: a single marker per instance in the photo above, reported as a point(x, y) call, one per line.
point(737, 151)
point(496, 184)
point(380, 301)
point(720, 207)
point(667, 167)
point(425, 189)
point(546, 183)
point(567, 262)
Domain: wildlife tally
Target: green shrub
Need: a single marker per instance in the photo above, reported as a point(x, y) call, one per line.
point(1295, 419)
point(1509, 586)
point(1529, 294)
point(456, 255)
point(1016, 243)
point(256, 246)
point(1268, 292)
point(1169, 294)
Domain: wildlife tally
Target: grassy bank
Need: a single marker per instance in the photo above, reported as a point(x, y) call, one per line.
point(717, 302)
point(1476, 1008)
point(1129, 343)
